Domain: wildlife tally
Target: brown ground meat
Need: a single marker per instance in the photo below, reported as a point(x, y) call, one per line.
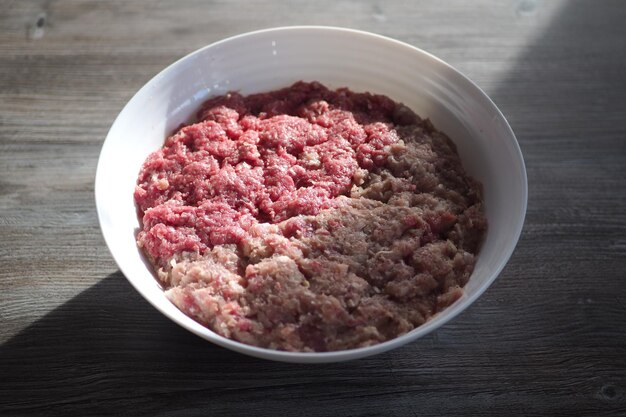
point(307, 219)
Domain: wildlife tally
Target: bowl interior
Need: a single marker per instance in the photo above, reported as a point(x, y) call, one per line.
point(270, 59)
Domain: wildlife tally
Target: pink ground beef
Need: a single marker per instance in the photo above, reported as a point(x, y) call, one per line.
point(306, 219)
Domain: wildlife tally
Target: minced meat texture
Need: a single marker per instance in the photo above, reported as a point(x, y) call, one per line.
point(310, 220)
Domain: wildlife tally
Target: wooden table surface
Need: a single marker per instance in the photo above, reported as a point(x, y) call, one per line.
point(548, 338)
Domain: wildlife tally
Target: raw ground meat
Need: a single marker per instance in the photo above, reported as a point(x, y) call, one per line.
point(306, 219)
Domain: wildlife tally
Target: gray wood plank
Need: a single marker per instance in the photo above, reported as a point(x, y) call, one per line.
point(548, 338)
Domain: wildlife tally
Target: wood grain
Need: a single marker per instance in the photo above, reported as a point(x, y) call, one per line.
point(548, 338)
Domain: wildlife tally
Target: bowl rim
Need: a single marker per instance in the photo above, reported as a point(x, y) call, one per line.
point(342, 355)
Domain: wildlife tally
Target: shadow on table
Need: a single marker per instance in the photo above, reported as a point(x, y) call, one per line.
point(107, 348)
point(106, 342)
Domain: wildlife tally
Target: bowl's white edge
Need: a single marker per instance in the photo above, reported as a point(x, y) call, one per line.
point(359, 352)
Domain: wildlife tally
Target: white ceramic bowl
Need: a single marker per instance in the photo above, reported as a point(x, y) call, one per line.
point(273, 58)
